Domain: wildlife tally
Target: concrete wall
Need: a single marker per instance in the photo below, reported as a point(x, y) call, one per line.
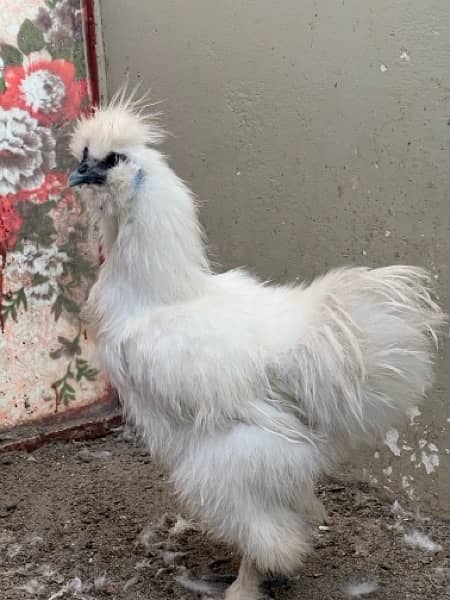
point(317, 133)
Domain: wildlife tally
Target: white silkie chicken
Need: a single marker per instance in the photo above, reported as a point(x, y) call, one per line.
point(246, 392)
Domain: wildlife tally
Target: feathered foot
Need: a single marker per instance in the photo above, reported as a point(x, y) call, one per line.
point(249, 585)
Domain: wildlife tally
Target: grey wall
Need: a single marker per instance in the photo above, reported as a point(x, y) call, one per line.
point(317, 133)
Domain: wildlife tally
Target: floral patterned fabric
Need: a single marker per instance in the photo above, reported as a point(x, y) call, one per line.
point(46, 266)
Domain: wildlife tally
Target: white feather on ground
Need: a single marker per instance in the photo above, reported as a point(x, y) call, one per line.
point(47, 571)
point(181, 526)
point(33, 586)
point(73, 586)
point(13, 550)
point(421, 541)
point(146, 537)
point(245, 391)
point(398, 510)
point(357, 590)
point(130, 582)
point(100, 582)
point(142, 564)
point(205, 588)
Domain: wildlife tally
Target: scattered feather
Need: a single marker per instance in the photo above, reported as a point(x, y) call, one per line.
point(128, 584)
point(199, 586)
point(398, 510)
point(164, 521)
point(146, 536)
point(87, 455)
point(102, 454)
point(35, 540)
point(160, 571)
point(100, 582)
point(142, 564)
point(6, 537)
point(74, 586)
point(169, 558)
point(33, 586)
point(422, 541)
point(47, 571)
point(356, 590)
point(14, 550)
point(58, 594)
point(181, 526)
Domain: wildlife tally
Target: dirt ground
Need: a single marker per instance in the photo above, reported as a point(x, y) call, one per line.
point(96, 520)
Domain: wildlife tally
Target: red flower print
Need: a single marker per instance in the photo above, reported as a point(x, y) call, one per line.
point(47, 89)
point(27, 157)
point(53, 184)
point(10, 223)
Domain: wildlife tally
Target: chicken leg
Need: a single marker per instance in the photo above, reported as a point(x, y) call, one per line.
point(247, 584)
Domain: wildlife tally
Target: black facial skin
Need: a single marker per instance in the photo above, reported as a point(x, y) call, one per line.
point(94, 172)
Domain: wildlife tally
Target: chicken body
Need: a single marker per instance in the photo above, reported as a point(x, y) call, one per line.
point(246, 392)
point(194, 380)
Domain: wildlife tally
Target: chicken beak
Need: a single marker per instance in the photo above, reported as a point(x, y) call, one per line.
point(86, 175)
point(76, 178)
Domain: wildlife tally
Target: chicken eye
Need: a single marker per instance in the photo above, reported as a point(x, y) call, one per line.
point(111, 160)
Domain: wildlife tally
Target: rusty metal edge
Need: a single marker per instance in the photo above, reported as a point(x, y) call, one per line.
point(90, 422)
point(86, 430)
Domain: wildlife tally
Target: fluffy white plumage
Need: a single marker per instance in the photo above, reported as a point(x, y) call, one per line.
point(247, 392)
